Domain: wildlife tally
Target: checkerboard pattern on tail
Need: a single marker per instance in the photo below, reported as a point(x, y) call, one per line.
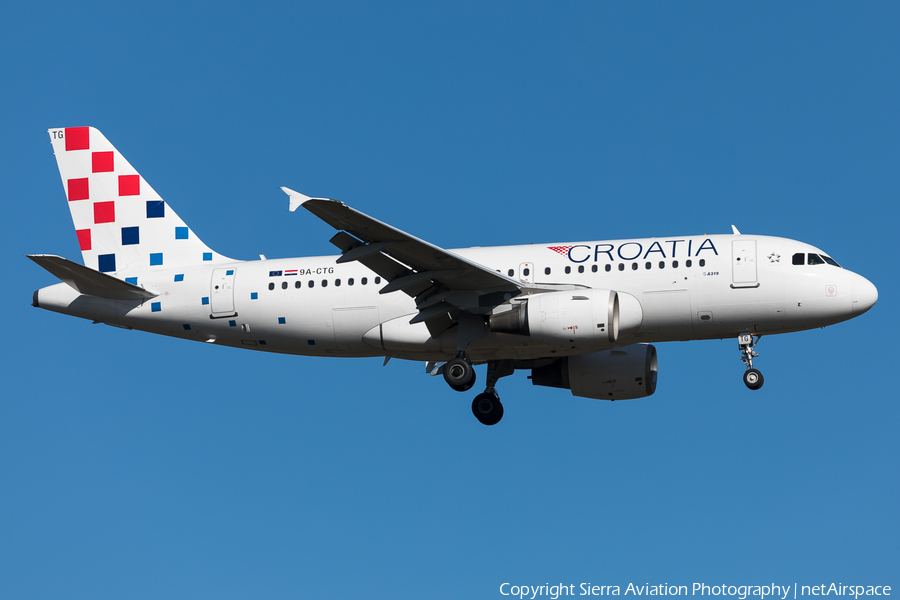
point(121, 223)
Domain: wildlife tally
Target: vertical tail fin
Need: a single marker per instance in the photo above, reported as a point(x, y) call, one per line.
point(122, 224)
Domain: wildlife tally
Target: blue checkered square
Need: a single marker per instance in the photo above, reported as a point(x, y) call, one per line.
point(130, 236)
point(156, 209)
point(106, 263)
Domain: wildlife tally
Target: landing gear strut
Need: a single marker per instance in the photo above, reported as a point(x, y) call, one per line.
point(486, 406)
point(753, 379)
point(459, 373)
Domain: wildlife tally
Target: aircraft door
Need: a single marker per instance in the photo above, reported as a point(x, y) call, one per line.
point(526, 272)
point(743, 263)
point(221, 293)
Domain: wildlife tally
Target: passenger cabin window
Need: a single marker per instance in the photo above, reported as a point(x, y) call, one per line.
point(510, 272)
point(324, 283)
point(568, 270)
point(271, 286)
point(594, 269)
point(634, 266)
point(378, 279)
point(798, 259)
point(702, 262)
point(662, 264)
point(581, 268)
point(647, 265)
point(525, 272)
point(311, 283)
point(608, 268)
point(547, 271)
point(688, 263)
point(621, 266)
point(284, 285)
point(674, 264)
point(350, 281)
point(337, 282)
point(297, 284)
point(364, 280)
point(814, 259)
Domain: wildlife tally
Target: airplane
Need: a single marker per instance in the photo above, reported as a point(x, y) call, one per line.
point(581, 316)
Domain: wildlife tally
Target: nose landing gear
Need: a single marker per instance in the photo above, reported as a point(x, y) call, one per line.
point(753, 379)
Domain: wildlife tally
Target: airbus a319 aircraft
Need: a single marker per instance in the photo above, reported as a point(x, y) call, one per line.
point(579, 315)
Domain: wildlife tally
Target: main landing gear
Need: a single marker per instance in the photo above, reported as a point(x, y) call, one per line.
point(460, 375)
point(487, 408)
point(753, 379)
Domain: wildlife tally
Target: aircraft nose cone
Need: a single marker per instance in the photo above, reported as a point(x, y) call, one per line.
point(863, 295)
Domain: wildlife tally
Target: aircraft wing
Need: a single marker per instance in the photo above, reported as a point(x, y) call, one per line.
point(438, 279)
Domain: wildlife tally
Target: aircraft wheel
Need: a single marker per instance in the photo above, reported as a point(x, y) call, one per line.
point(459, 373)
point(487, 409)
point(753, 379)
point(464, 388)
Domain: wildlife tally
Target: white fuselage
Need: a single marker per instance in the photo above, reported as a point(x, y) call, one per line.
point(688, 287)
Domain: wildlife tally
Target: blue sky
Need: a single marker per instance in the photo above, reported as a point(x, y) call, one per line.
point(144, 467)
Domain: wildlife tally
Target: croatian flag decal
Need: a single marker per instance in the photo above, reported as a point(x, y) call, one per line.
point(562, 250)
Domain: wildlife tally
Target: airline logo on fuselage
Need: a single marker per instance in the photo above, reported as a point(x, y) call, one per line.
point(580, 253)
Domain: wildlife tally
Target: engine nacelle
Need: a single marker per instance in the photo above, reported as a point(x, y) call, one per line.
point(588, 316)
point(621, 374)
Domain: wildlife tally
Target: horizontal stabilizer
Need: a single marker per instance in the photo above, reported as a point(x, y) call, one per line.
point(88, 281)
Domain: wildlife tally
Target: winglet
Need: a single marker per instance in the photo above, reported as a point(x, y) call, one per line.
point(733, 228)
point(296, 198)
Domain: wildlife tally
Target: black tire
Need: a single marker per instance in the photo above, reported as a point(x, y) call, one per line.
point(753, 379)
point(487, 409)
point(459, 373)
point(465, 388)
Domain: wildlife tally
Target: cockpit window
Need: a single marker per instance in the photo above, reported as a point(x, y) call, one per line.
point(830, 261)
point(798, 259)
point(814, 259)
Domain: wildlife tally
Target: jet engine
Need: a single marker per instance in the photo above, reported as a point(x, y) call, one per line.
point(588, 315)
point(621, 374)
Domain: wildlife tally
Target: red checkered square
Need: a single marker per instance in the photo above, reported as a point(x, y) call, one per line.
point(561, 250)
point(84, 238)
point(78, 189)
point(104, 212)
point(129, 185)
point(78, 138)
point(101, 162)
